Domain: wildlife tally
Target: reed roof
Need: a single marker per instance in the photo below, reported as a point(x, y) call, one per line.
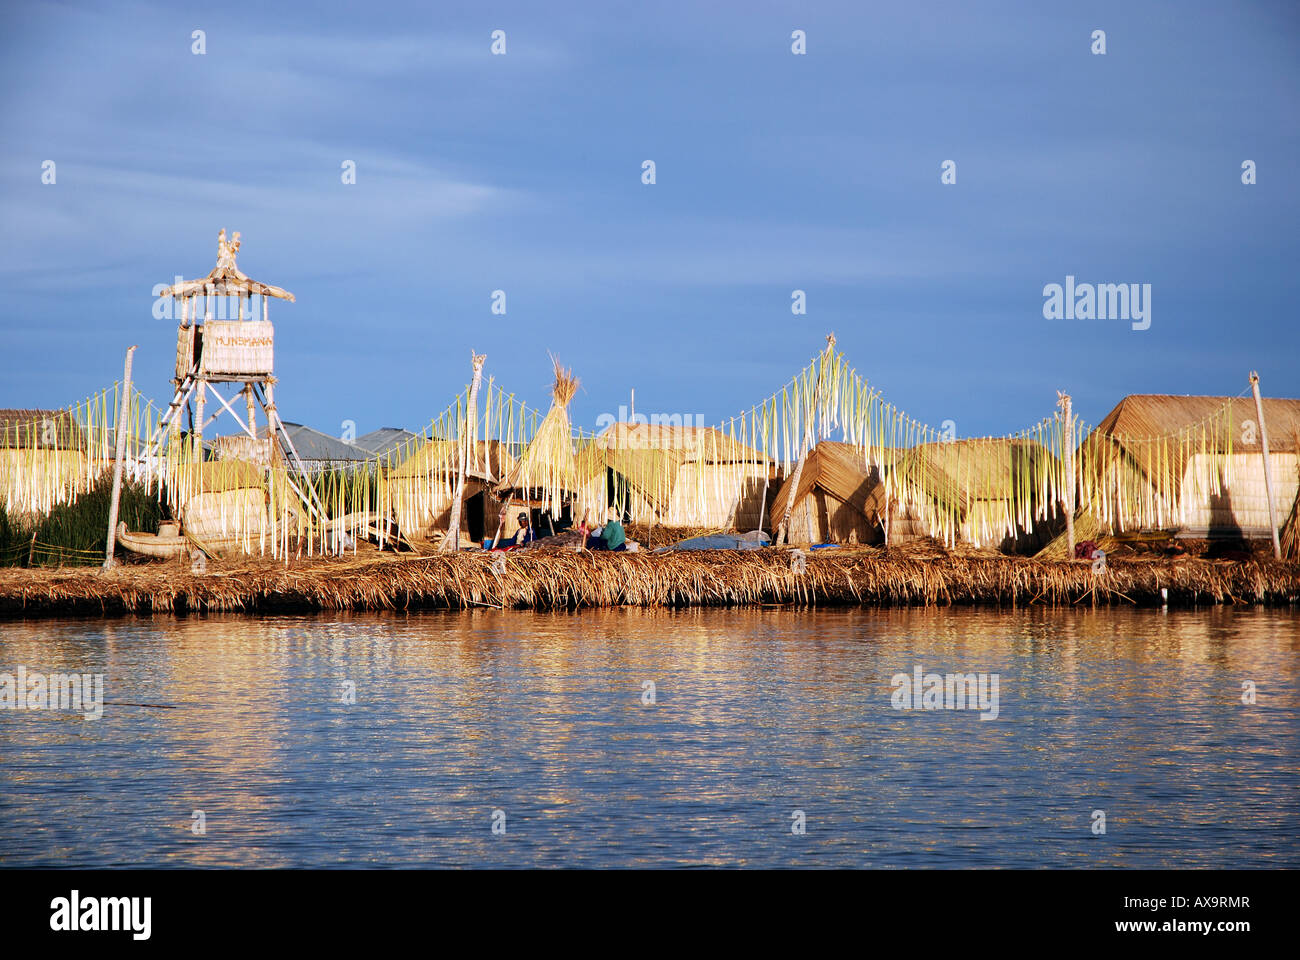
point(226, 279)
point(1143, 417)
point(954, 474)
point(838, 470)
point(704, 444)
point(435, 457)
point(548, 462)
point(1154, 436)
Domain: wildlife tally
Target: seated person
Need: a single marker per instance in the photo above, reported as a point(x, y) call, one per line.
point(525, 533)
point(611, 536)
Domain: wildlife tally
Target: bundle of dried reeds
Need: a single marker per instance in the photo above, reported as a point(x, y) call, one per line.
point(562, 579)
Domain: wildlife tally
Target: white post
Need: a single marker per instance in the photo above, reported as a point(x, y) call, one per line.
point(1068, 453)
point(1268, 466)
point(123, 412)
point(199, 404)
point(452, 543)
point(252, 410)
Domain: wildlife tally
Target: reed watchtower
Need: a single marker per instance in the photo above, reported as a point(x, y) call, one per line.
point(216, 351)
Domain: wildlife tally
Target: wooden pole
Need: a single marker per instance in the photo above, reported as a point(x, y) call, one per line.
point(501, 522)
point(123, 411)
point(467, 449)
point(1068, 453)
point(252, 410)
point(1268, 466)
point(789, 501)
point(311, 500)
point(200, 399)
point(762, 505)
point(809, 441)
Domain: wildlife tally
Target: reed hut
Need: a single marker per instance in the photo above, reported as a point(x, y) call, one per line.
point(39, 430)
point(1191, 465)
point(838, 498)
point(549, 479)
point(992, 492)
point(43, 455)
point(421, 487)
point(1290, 533)
point(681, 476)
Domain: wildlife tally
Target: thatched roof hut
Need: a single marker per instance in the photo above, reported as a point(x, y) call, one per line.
point(986, 491)
point(489, 461)
point(1191, 464)
point(683, 476)
point(547, 475)
point(421, 486)
point(839, 499)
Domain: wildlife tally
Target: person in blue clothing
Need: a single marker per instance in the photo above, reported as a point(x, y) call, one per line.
point(525, 534)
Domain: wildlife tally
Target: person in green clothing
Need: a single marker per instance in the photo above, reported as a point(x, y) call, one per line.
point(612, 537)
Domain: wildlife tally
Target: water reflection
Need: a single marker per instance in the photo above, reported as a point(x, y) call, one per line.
point(758, 713)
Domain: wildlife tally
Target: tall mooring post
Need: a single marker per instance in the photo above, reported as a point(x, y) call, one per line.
point(123, 412)
point(1268, 466)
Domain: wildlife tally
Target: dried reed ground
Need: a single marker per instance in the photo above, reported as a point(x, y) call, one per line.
point(550, 580)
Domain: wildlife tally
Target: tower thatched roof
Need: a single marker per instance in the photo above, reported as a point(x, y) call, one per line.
point(226, 280)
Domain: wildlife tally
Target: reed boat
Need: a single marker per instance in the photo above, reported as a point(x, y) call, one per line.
point(168, 543)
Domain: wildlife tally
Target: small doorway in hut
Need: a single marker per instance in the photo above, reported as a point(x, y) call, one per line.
point(618, 492)
point(545, 525)
point(476, 516)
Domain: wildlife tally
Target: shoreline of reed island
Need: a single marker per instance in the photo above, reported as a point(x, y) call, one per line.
point(566, 580)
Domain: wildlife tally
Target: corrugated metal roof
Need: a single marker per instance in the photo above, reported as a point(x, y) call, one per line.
point(39, 428)
point(311, 444)
point(385, 440)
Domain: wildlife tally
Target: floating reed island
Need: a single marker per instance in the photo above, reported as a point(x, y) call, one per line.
point(565, 580)
point(841, 495)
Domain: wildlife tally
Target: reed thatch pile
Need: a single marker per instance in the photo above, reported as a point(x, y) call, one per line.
point(546, 474)
point(549, 580)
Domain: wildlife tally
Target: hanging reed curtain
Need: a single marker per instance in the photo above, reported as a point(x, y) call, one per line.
point(1129, 482)
point(976, 490)
point(979, 490)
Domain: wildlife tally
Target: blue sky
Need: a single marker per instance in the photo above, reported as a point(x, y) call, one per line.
point(774, 172)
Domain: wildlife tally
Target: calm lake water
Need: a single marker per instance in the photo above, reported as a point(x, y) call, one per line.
point(538, 723)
